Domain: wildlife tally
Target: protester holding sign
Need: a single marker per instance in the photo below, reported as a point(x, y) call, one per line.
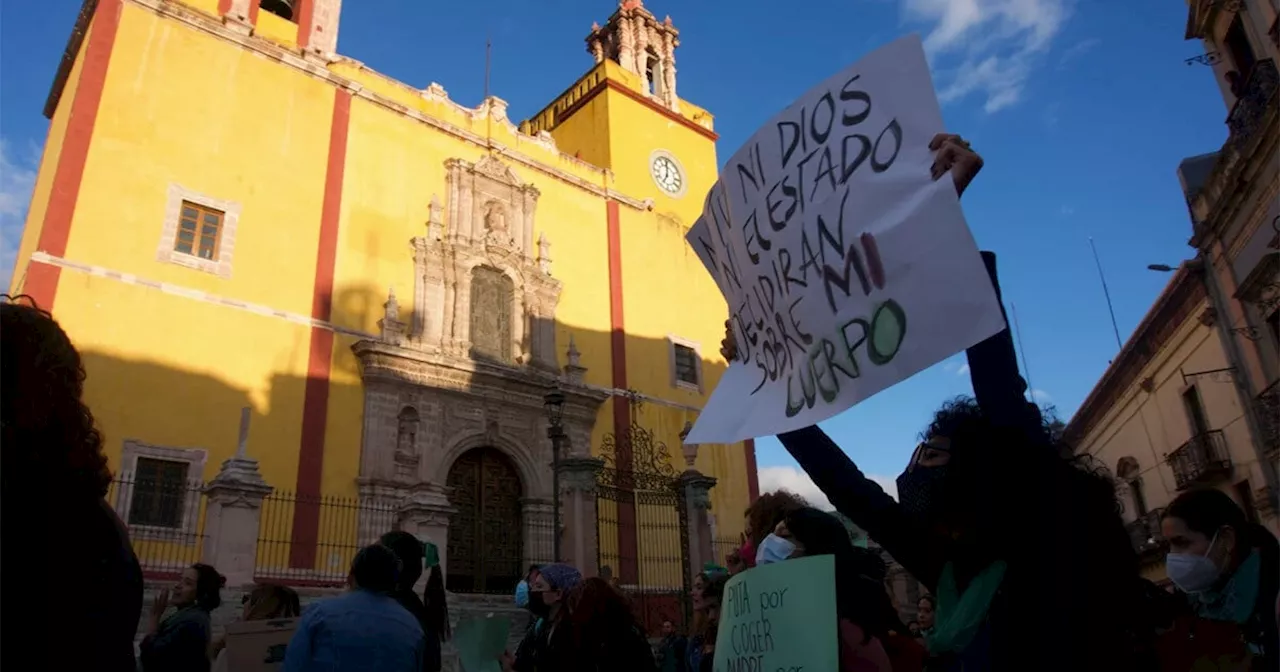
point(989, 509)
point(867, 619)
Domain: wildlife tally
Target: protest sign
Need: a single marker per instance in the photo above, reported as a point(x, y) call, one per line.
point(480, 641)
point(780, 617)
point(846, 266)
point(258, 646)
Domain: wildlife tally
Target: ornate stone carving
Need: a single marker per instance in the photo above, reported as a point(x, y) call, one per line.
point(393, 330)
point(574, 371)
point(406, 455)
point(480, 291)
point(435, 219)
point(579, 473)
point(697, 489)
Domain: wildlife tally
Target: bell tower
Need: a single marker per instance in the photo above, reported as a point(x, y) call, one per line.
point(635, 39)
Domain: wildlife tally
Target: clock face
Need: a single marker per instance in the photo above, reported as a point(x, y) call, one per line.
point(667, 175)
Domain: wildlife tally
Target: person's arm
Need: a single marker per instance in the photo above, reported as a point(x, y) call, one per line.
point(865, 503)
point(182, 640)
point(298, 653)
point(993, 372)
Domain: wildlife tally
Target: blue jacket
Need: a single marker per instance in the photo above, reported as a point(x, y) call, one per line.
point(356, 631)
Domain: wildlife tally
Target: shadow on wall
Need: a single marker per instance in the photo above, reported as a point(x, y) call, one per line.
point(168, 428)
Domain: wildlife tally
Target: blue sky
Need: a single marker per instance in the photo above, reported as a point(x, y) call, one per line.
point(1082, 109)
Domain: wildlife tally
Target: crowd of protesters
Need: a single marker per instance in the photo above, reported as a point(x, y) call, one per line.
point(1020, 544)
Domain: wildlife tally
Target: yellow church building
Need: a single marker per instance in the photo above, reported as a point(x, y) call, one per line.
point(229, 215)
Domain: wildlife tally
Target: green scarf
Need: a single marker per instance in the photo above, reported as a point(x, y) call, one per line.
point(960, 616)
point(1235, 600)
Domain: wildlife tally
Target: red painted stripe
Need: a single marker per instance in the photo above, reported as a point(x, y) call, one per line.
point(303, 15)
point(224, 6)
point(618, 337)
point(315, 405)
point(253, 11)
point(753, 474)
point(628, 551)
point(42, 280)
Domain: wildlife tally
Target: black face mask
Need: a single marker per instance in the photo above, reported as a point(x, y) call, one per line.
point(538, 604)
point(920, 491)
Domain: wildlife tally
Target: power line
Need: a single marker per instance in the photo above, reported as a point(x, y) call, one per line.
point(1106, 293)
point(1026, 366)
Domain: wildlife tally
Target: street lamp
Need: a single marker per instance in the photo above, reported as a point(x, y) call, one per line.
point(1163, 268)
point(553, 404)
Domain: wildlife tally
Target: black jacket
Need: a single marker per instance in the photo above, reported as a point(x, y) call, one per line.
point(1022, 630)
point(431, 658)
point(72, 586)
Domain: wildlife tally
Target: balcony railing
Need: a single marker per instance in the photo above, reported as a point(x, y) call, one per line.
point(1202, 459)
point(1145, 534)
point(1255, 100)
point(1267, 407)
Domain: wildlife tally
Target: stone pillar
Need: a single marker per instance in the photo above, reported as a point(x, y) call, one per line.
point(696, 489)
point(578, 542)
point(425, 514)
point(232, 514)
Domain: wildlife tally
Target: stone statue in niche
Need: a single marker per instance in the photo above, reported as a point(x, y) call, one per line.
point(406, 455)
point(495, 219)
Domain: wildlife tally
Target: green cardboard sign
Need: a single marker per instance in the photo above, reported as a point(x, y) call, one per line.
point(480, 641)
point(780, 617)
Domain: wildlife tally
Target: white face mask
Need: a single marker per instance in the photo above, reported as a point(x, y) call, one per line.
point(774, 549)
point(1192, 573)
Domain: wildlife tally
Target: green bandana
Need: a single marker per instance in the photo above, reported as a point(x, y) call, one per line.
point(960, 616)
point(430, 554)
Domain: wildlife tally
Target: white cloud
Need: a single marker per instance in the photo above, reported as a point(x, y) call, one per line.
point(1076, 51)
point(1041, 397)
point(17, 178)
point(986, 47)
point(796, 480)
point(963, 370)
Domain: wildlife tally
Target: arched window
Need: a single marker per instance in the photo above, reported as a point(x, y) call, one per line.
point(653, 72)
point(492, 296)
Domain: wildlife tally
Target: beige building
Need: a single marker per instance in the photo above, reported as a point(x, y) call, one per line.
point(1192, 398)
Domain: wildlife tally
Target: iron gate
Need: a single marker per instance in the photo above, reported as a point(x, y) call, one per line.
point(643, 527)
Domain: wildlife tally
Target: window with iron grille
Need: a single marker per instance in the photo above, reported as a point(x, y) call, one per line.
point(159, 493)
point(199, 231)
point(686, 361)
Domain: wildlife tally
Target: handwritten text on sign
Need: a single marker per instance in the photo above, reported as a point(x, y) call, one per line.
point(779, 617)
point(846, 267)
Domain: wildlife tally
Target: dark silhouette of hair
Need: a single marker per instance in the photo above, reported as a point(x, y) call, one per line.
point(599, 618)
point(409, 550)
point(208, 586)
point(436, 604)
point(272, 600)
point(51, 446)
point(375, 569)
point(768, 509)
point(1207, 510)
point(1017, 494)
point(861, 596)
point(928, 598)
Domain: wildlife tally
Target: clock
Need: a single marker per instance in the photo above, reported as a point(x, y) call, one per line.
point(667, 173)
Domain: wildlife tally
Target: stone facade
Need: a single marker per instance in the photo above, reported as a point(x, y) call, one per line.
point(471, 368)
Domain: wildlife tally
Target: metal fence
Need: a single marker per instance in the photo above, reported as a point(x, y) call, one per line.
point(643, 543)
point(722, 547)
point(165, 515)
point(311, 540)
